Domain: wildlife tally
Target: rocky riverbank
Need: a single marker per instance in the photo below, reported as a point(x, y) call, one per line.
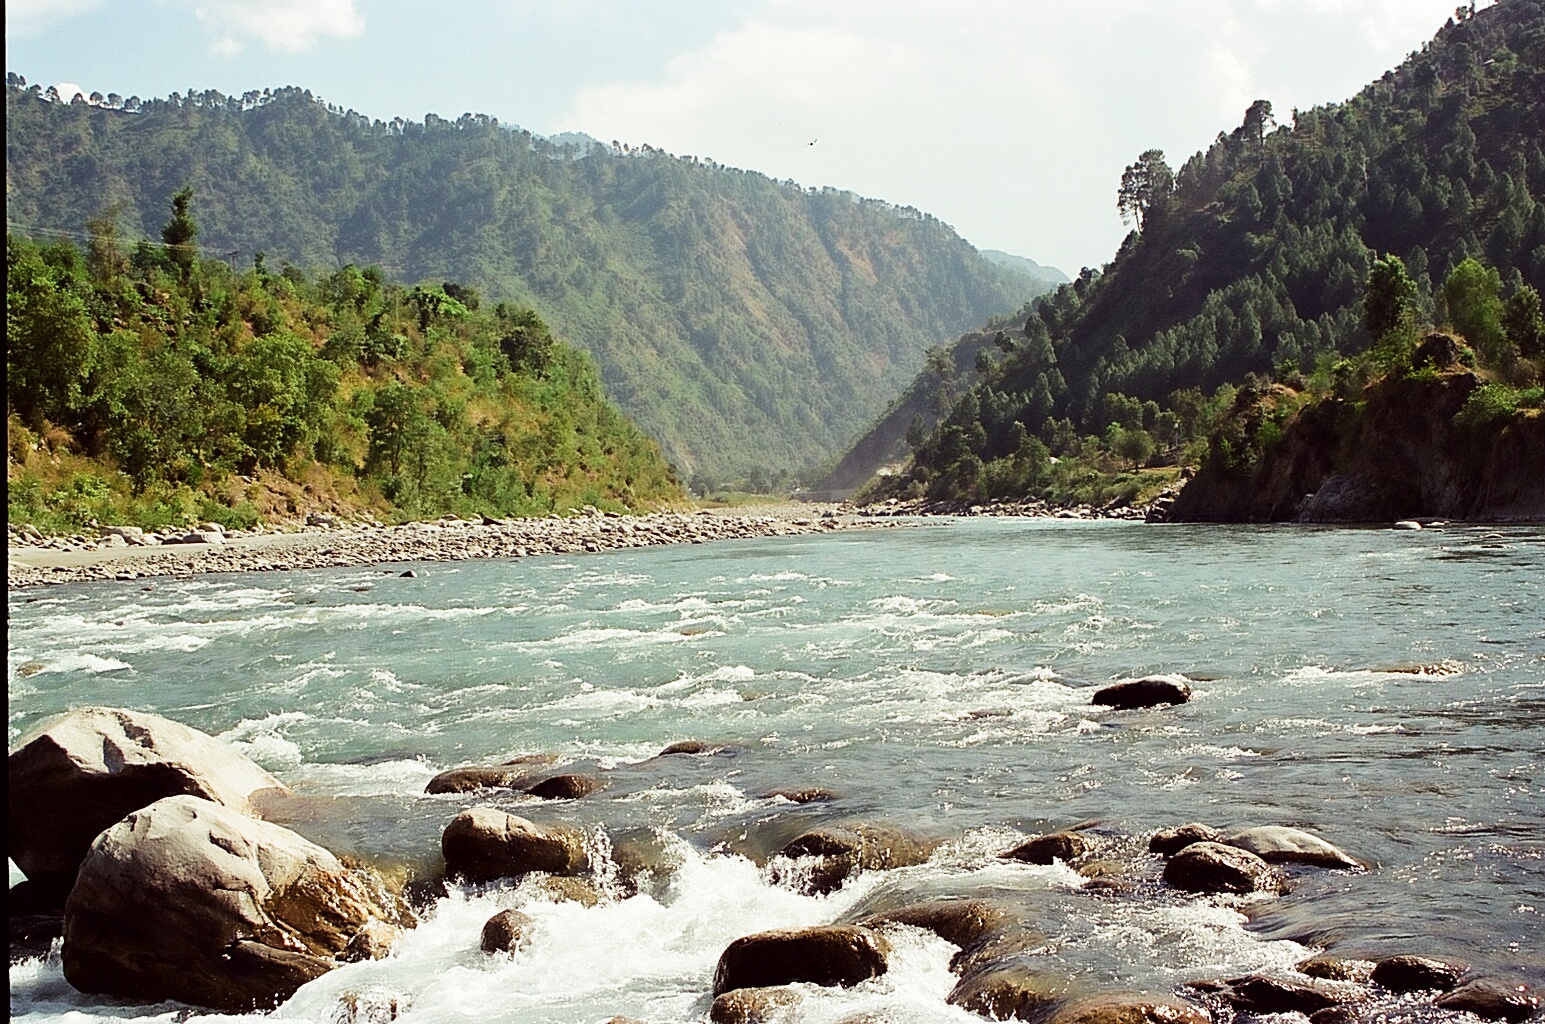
point(1029, 508)
point(123, 553)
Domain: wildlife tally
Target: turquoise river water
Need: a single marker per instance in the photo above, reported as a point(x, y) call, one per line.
point(936, 677)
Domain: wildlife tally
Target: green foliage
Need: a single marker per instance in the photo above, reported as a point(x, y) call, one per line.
point(1387, 302)
point(160, 383)
point(1524, 324)
point(1472, 294)
point(744, 322)
point(1492, 404)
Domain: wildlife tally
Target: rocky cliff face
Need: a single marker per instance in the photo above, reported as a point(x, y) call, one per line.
point(1402, 450)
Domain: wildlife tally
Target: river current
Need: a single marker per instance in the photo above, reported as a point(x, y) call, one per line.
point(1383, 689)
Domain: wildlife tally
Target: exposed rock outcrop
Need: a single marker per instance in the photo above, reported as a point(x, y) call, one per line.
point(484, 843)
point(1213, 867)
point(82, 772)
point(190, 900)
point(1279, 844)
point(832, 955)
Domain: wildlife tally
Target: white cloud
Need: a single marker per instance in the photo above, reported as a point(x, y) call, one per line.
point(1011, 121)
point(25, 18)
point(289, 25)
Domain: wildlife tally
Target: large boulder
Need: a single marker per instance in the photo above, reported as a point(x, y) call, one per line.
point(1169, 841)
point(831, 955)
point(963, 922)
point(1493, 999)
point(1213, 867)
point(840, 851)
point(1054, 846)
point(1279, 844)
point(484, 843)
point(190, 900)
point(1148, 692)
point(566, 787)
point(82, 772)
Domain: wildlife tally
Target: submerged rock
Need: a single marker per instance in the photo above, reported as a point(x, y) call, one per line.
point(503, 932)
point(687, 747)
point(831, 955)
point(483, 843)
point(813, 795)
point(1279, 844)
point(843, 850)
point(1170, 841)
point(1213, 867)
point(375, 941)
point(469, 780)
point(1148, 692)
point(963, 922)
point(1493, 999)
point(1417, 974)
point(754, 1005)
point(566, 787)
point(1004, 990)
point(1129, 1009)
point(82, 772)
point(1259, 994)
point(995, 949)
point(1335, 968)
point(190, 900)
point(1063, 846)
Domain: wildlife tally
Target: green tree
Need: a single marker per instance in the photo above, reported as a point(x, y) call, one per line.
point(1387, 302)
point(1472, 293)
point(1525, 327)
point(1145, 188)
point(181, 233)
point(1136, 446)
point(50, 343)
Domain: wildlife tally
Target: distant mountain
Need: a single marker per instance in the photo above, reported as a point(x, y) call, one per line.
point(748, 324)
point(1048, 276)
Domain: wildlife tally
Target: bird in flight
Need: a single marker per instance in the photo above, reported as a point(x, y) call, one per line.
point(814, 141)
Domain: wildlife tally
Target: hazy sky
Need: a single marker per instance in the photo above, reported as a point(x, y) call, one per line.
point(1009, 119)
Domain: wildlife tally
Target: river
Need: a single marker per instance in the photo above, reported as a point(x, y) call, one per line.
point(1384, 689)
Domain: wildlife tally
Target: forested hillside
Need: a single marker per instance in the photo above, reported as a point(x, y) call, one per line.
point(746, 323)
point(148, 385)
point(1252, 259)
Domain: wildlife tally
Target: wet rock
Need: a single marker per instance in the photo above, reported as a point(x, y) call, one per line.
point(483, 843)
point(1213, 867)
point(566, 787)
point(469, 780)
point(566, 888)
point(843, 850)
point(1493, 999)
point(995, 949)
point(374, 941)
point(1417, 974)
point(963, 922)
point(1148, 692)
point(1278, 844)
point(814, 795)
point(1259, 994)
point(1334, 1015)
point(82, 772)
point(1170, 841)
point(1335, 968)
point(504, 931)
point(754, 1005)
point(1129, 1009)
point(831, 955)
point(190, 900)
point(532, 759)
point(1001, 991)
point(1063, 846)
point(36, 917)
point(406, 574)
point(624, 1020)
point(687, 747)
point(644, 860)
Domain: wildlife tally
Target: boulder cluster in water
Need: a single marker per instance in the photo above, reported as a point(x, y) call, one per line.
point(166, 885)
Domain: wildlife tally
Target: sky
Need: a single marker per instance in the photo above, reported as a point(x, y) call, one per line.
point(1010, 120)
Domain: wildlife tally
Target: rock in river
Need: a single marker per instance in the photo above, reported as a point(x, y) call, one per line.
point(1493, 999)
point(484, 843)
point(842, 850)
point(963, 922)
point(190, 900)
point(754, 1005)
point(1063, 846)
point(469, 780)
point(1417, 974)
point(82, 772)
point(503, 932)
point(1148, 692)
point(1170, 841)
point(1278, 844)
point(1132, 1009)
point(830, 955)
point(999, 991)
point(1213, 867)
point(566, 787)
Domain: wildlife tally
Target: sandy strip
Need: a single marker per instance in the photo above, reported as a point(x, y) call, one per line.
point(449, 540)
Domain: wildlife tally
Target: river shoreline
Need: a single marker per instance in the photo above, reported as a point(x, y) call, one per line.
point(33, 565)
